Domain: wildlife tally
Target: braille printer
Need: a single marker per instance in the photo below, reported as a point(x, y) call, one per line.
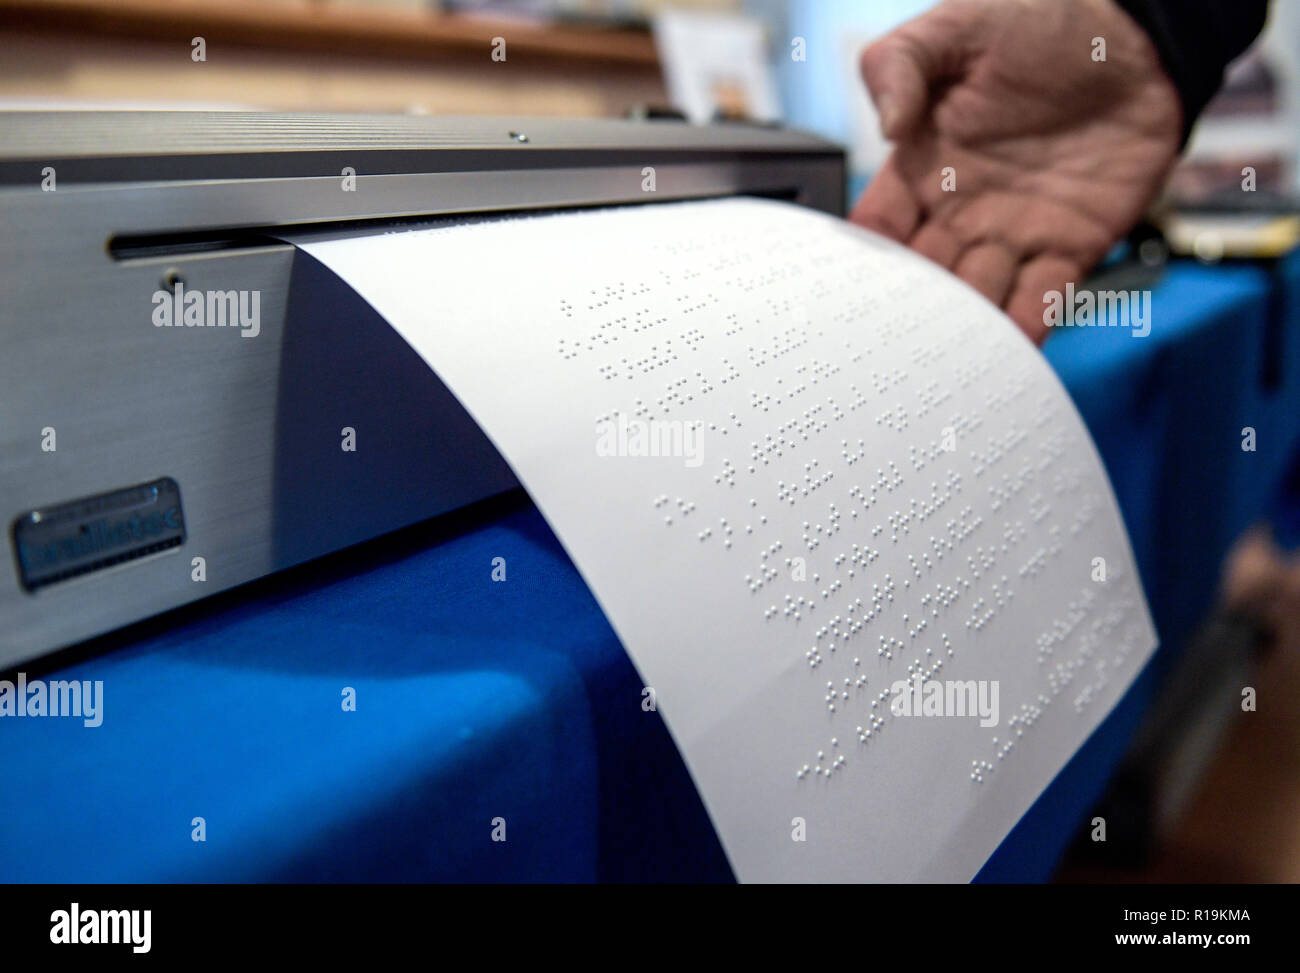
point(151, 455)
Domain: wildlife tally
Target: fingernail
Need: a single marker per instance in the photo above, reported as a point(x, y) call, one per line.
point(888, 109)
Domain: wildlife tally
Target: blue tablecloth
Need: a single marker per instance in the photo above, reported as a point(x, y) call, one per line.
point(479, 701)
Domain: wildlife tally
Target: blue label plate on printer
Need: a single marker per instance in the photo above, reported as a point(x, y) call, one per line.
point(72, 539)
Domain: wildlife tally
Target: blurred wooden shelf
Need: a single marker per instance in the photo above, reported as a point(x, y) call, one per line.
point(334, 27)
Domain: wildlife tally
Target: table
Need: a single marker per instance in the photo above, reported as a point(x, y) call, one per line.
point(479, 701)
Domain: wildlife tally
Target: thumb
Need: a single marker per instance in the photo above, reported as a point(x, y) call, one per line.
point(902, 66)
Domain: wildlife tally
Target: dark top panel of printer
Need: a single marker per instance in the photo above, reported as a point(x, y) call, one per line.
point(137, 145)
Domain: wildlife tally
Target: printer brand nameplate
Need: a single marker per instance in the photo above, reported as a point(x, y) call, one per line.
point(70, 540)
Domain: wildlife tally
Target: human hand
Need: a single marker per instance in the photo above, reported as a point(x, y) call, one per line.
point(1053, 156)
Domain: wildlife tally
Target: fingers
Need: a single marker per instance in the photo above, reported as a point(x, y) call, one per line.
point(902, 66)
point(896, 78)
point(936, 241)
point(888, 205)
point(990, 268)
point(1015, 265)
point(1036, 278)
point(1030, 226)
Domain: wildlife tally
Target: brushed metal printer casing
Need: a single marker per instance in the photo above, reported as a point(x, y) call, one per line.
point(250, 427)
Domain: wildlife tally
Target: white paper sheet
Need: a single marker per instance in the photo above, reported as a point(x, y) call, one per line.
point(888, 479)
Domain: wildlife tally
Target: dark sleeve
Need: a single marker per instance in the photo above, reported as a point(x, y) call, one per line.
point(1196, 39)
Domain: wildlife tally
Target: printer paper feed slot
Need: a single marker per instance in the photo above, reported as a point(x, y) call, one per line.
point(843, 516)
